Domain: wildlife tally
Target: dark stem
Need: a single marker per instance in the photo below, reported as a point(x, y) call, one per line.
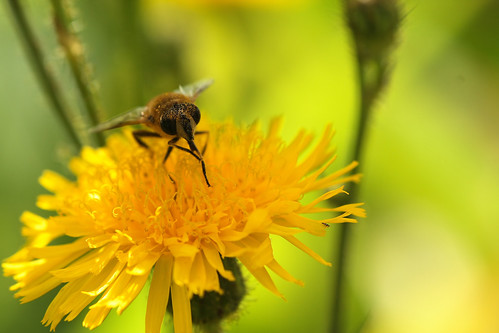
point(42, 71)
point(368, 94)
point(74, 53)
point(374, 27)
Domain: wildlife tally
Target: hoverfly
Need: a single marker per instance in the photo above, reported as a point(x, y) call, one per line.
point(171, 115)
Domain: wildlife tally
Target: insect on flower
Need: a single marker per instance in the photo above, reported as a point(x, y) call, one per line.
point(171, 115)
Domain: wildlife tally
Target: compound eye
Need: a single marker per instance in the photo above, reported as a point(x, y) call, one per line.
point(168, 125)
point(194, 113)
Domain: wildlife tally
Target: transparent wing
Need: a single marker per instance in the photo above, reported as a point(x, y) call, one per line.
point(193, 90)
point(128, 118)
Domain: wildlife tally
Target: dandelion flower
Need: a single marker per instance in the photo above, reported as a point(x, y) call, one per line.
point(129, 217)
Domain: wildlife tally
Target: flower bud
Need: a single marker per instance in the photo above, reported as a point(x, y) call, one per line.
point(213, 307)
point(374, 25)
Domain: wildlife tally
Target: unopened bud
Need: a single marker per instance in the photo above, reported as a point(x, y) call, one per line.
point(374, 25)
point(209, 311)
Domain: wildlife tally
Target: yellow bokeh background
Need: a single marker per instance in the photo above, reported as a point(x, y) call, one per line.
point(427, 257)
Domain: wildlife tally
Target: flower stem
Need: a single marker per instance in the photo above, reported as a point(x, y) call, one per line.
point(43, 72)
point(345, 229)
point(373, 25)
point(74, 53)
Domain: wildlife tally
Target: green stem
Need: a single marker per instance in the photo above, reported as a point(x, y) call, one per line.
point(373, 26)
point(42, 71)
point(345, 229)
point(74, 52)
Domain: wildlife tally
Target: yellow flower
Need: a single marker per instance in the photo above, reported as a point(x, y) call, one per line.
point(127, 213)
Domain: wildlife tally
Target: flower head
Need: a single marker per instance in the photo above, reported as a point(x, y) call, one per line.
point(130, 216)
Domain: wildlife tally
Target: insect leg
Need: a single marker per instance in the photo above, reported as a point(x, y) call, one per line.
point(137, 135)
point(194, 152)
point(171, 144)
point(193, 147)
point(204, 173)
point(206, 142)
point(187, 151)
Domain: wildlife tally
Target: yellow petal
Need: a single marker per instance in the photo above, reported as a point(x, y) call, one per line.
point(58, 250)
point(280, 230)
point(39, 272)
point(261, 255)
point(310, 179)
point(232, 235)
point(279, 270)
point(93, 262)
point(54, 182)
point(182, 319)
point(159, 292)
point(145, 265)
point(183, 250)
point(319, 153)
point(274, 128)
point(299, 143)
point(329, 180)
point(111, 297)
point(74, 304)
point(257, 221)
point(39, 289)
point(261, 275)
point(133, 288)
point(353, 209)
point(323, 197)
point(293, 240)
point(137, 253)
point(311, 226)
point(181, 270)
point(34, 221)
point(213, 258)
point(212, 280)
point(75, 226)
point(197, 278)
point(115, 271)
point(55, 313)
point(47, 202)
point(21, 267)
point(99, 241)
point(95, 317)
point(283, 207)
point(235, 249)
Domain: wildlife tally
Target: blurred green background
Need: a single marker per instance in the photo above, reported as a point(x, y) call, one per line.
point(427, 257)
